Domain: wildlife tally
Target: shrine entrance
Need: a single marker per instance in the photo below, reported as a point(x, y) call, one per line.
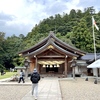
point(53, 69)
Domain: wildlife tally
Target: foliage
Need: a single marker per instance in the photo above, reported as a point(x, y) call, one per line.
point(82, 37)
point(74, 28)
point(2, 67)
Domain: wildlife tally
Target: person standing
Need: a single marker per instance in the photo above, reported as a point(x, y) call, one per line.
point(35, 77)
point(21, 76)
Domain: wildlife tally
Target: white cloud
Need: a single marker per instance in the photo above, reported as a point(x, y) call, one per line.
point(19, 16)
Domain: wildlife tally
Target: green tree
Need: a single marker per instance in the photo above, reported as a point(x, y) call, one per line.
point(82, 36)
point(2, 47)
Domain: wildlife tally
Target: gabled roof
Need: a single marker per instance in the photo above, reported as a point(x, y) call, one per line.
point(54, 42)
point(45, 47)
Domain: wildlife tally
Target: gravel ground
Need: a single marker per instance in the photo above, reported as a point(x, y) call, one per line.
point(13, 92)
point(80, 89)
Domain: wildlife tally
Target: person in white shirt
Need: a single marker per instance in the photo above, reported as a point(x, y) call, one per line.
point(21, 76)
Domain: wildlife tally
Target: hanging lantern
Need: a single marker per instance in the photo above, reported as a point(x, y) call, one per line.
point(58, 65)
point(55, 65)
point(50, 66)
point(47, 65)
point(44, 66)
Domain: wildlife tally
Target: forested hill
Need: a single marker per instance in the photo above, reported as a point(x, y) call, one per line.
point(74, 28)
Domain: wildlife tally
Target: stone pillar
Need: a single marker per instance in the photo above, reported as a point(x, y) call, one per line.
point(95, 73)
point(26, 73)
point(65, 66)
point(73, 72)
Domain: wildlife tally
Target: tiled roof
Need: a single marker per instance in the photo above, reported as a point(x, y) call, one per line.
point(90, 56)
point(56, 43)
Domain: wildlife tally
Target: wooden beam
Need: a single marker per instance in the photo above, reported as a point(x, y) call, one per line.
point(51, 56)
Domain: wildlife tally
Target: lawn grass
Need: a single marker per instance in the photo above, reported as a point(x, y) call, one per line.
point(7, 75)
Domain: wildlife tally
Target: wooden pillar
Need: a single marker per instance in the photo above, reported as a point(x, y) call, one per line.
point(36, 62)
point(65, 66)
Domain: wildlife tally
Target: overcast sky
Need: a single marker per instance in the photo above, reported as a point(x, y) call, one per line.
point(20, 16)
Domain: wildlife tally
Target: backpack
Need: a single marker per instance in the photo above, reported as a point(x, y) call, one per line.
point(23, 74)
point(35, 78)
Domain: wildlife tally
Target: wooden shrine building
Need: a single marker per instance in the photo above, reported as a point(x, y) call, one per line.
point(52, 55)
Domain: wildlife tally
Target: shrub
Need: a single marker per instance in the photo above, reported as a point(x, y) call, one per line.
point(2, 67)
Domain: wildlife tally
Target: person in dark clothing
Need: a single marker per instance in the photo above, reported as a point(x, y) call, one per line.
point(35, 77)
point(21, 77)
point(2, 72)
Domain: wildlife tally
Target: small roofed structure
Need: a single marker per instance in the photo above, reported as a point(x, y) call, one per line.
point(95, 64)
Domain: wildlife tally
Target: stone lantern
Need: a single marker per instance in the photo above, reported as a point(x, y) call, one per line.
point(73, 65)
point(26, 64)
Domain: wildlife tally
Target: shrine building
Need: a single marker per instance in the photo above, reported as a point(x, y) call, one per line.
point(53, 56)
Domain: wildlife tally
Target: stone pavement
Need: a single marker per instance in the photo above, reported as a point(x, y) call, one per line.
point(48, 89)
